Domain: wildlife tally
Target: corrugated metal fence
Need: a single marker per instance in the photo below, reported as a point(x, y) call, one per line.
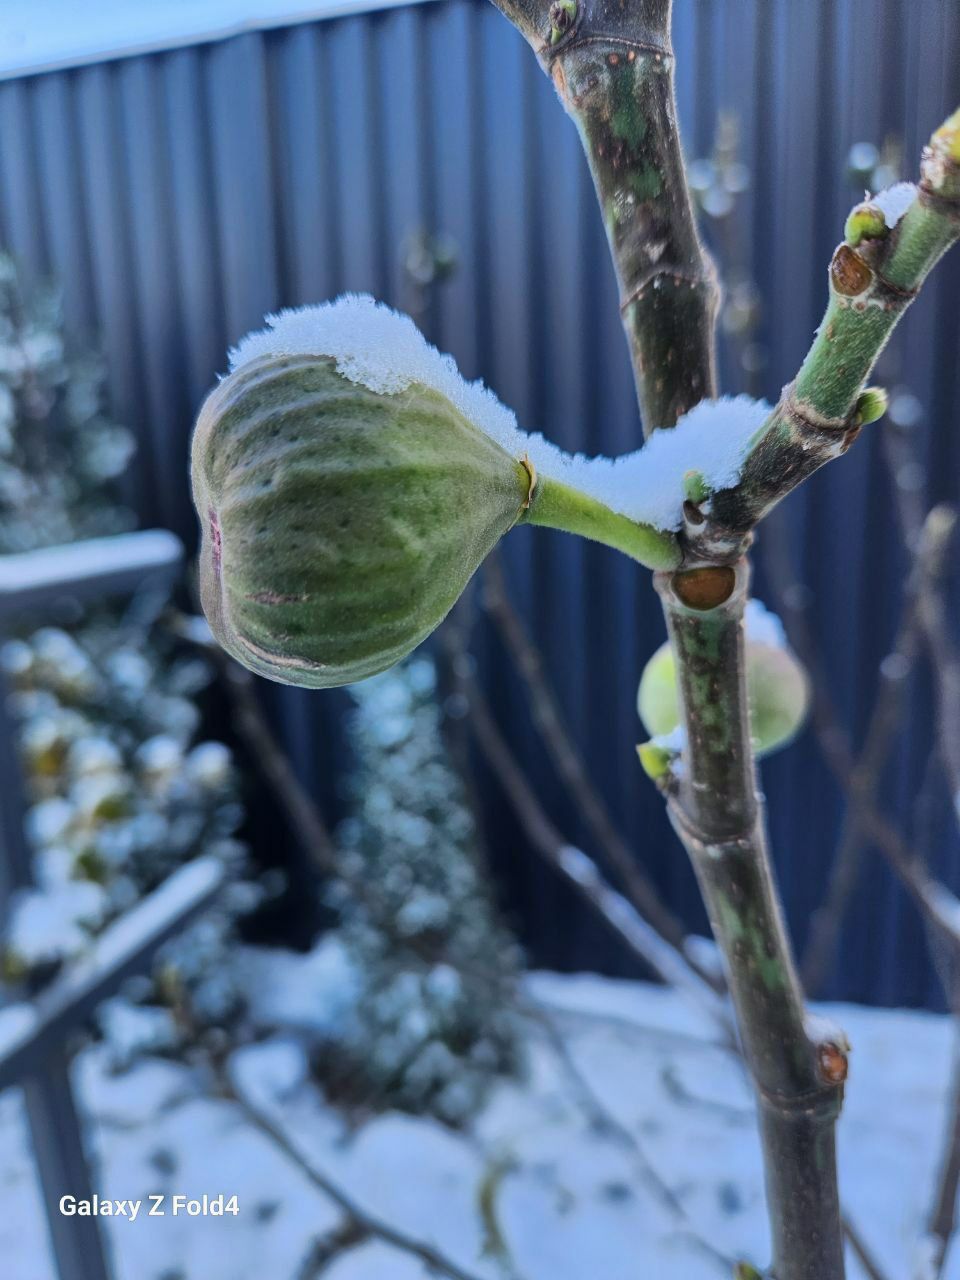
point(180, 195)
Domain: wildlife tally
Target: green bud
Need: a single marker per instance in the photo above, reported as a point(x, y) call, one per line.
point(744, 1271)
point(872, 404)
point(864, 222)
point(339, 524)
point(563, 14)
point(947, 137)
point(777, 693)
point(695, 487)
point(655, 759)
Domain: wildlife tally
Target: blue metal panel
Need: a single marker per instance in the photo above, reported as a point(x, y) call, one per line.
point(180, 195)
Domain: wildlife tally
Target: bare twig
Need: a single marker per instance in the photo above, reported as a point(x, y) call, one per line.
point(297, 805)
point(942, 1222)
point(859, 1246)
point(567, 760)
point(265, 751)
point(366, 1223)
point(573, 863)
point(863, 784)
point(604, 1122)
point(578, 869)
point(327, 1248)
point(642, 939)
point(929, 536)
point(933, 900)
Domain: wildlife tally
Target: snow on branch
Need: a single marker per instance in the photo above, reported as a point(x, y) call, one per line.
point(384, 351)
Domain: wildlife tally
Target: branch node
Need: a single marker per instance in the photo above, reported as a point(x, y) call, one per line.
point(676, 275)
point(692, 837)
point(575, 37)
point(948, 206)
point(803, 414)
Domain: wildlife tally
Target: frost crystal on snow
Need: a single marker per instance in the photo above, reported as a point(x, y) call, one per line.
point(895, 201)
point(386, 352)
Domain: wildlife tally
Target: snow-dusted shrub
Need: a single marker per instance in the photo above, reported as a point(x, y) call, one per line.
point(60, 453)
point(122, 792)
point(122, 788)
point(433, 970)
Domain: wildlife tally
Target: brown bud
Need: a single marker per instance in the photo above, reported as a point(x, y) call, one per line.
point(832, 1062)
point(849, 273)
point(705, 588)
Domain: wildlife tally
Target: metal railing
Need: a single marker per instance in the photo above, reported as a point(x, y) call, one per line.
point(34, 1036)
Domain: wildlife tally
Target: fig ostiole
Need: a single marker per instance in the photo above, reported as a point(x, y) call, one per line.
point(778, 690)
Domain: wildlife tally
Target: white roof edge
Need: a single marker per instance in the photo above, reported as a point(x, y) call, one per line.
point(215, 33)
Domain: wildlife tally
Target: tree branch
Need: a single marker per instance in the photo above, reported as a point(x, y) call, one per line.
point(364, 1222)
point(611, 69)
point(938, 907)
point(863, 784)
point(930, 538)
point(942, 1222)
point(798, 1075)
point(872, 282)
point(714, 803)
point(560, 747)
point(580, 871)
point(612, 65)
point(605, 1122)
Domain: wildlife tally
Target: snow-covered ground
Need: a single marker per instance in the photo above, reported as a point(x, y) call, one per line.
point(544, 1188)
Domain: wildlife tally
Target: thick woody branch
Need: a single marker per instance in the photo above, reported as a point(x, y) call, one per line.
point(612, 65)
point(798, 1073)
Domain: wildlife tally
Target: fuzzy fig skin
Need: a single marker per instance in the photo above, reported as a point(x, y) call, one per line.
point(339, 525)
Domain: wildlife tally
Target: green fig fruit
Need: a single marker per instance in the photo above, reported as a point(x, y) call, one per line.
point(339, 523)
point(778, 690)
point(349, 482)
